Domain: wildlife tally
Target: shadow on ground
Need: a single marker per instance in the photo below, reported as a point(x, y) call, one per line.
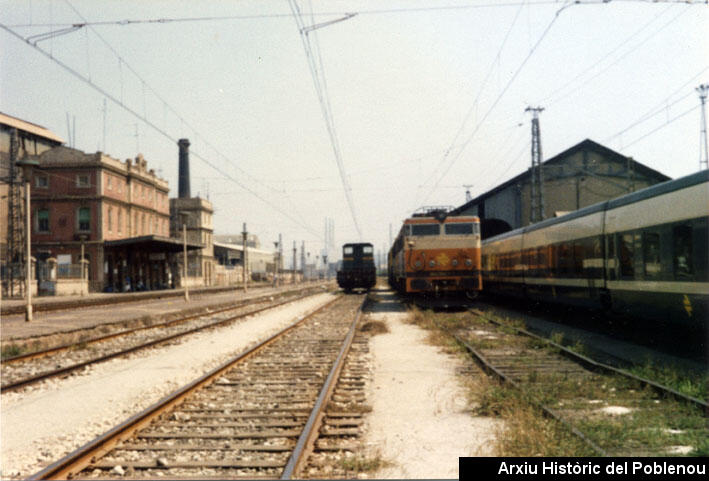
point(383, 299)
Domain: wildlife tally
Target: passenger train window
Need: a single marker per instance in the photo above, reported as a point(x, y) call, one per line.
point(367, 249)
point(651, 254)
point(459, 228)
point(348, 250)
point(682, 251)
point(425, 229)
point(626, 251)
point(610, 255)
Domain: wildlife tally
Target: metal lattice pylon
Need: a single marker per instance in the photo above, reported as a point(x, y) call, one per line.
point(537, 212)
point(15, 259)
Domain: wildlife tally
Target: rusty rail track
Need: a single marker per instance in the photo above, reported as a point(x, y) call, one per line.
point(24, 382)
point(531, 369)
point(239, 420)
point(594, 365)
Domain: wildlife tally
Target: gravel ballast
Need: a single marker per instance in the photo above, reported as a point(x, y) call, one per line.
point(42, 424)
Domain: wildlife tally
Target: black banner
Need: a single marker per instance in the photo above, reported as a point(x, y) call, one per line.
point(583, 468)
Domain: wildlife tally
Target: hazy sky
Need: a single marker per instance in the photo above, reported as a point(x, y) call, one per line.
point(426, 96)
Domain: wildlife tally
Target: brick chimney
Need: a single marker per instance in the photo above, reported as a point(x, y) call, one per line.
point(184, 174)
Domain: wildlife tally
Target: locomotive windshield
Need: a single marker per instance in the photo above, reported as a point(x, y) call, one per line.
point(462, 228)
point(424, 229)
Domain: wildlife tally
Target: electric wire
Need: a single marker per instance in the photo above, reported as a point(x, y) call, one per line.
point(154, 92)
point(499, 97)
point(675, 118)
point(477, 97)
point(319, 80)
point(643, 42)
point(659, 107)
point(155, 127)
point(383, 11)
point(548, 99)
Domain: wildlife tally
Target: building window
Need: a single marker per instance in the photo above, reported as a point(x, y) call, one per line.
point(108, 181)
point(41, 181)
point(43, 220)
point(84, 219)
point(82, 180)
point(119, 228)
point(110, 219)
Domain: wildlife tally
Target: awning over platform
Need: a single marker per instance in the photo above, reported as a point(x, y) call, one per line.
point(153, 243)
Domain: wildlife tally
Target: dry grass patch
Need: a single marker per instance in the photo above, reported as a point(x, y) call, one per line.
point(360, 463)
point(524, 431)
point(374, 327)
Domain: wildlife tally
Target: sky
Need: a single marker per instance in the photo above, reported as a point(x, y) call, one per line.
point(425, 98)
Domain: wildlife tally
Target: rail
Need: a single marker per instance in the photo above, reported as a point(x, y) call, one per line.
point(72, 464)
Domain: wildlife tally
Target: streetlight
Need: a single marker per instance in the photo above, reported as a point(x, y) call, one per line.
point(183, 218)
point(27, 166)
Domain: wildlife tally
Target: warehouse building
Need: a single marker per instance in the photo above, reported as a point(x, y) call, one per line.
point(582, 175)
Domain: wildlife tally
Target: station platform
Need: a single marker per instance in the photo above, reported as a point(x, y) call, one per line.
point(49, 303)
point(73, 313)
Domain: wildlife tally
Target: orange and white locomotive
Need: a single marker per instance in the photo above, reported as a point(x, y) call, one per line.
point(436, 254)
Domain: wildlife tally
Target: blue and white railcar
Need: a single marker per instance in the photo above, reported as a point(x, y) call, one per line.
point(644, 254)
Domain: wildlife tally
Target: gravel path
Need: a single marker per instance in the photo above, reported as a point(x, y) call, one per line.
point(42, 424)
point(419, 424)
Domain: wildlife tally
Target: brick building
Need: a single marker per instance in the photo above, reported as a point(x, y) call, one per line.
point(117, 211)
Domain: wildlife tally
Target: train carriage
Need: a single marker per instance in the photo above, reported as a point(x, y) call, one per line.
point(644, 254)
point(436, 254)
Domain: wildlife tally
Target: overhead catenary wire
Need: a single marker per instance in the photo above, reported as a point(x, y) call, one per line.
point(155, 127)
point(660, 107)
point(381, 11)
point(499, 97)
point(153, 91)
point(617, 60)
point(673, 119)
point(474, 105)
point(549, 99)
point(318, 75)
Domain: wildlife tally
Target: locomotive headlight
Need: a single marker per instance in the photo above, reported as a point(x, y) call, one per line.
point(418, 264)
point(454, 262)
point(468, 262)
point(432, 263)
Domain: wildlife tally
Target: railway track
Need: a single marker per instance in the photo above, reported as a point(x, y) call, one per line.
point(258, 415)
point(31, 368)
point(614, 412)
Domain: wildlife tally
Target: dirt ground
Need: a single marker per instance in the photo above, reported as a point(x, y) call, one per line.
point(420, 421)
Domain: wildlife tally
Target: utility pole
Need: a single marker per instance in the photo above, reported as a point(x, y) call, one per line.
point(295, 250)
point(245, 260)
point(537, 213)
point(302, 260)
point(703, 162)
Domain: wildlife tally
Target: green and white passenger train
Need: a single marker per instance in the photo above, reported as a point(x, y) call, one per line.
point(643, 254)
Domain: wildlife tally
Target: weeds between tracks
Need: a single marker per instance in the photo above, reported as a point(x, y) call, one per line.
point(617, 413)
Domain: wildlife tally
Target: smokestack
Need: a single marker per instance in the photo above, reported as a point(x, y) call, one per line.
point(184, 174)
